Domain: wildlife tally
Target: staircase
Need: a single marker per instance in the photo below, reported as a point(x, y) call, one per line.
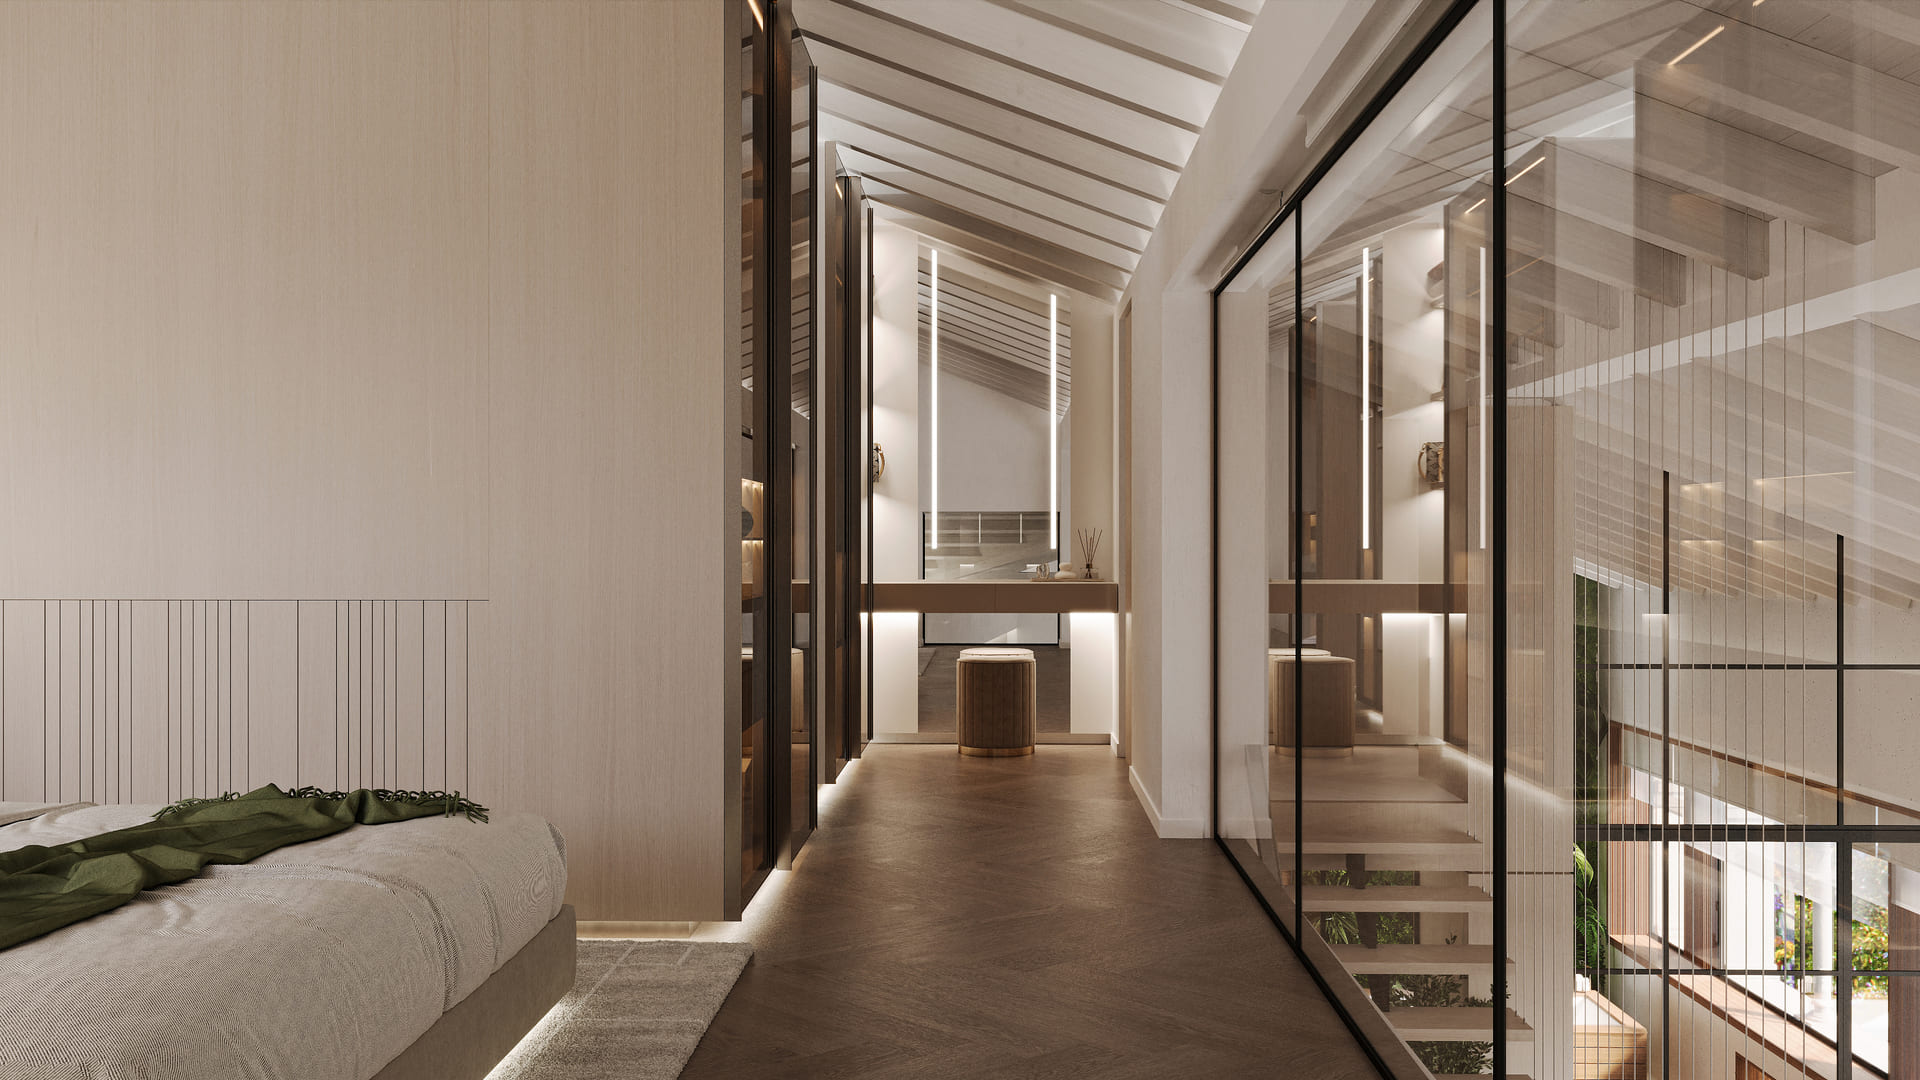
point(1376, 812)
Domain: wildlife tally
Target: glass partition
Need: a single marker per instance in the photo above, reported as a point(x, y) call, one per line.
point(756, 849)
point(1597, 646)
point(1257, 765)
point(805, 440)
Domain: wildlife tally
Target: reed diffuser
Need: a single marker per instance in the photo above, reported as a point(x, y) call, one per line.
point(1089, 541)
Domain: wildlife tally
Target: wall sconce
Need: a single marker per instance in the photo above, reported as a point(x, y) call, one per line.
point(753, 505)
point(1432, 463)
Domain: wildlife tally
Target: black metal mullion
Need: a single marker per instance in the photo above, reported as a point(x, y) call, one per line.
point(773, 442)
point(1840, 679)
point(1843, 957)
point(1298, 567)
point(1213, 579)
point(1666, 775)
point(1496, 398)
point(1754, 834)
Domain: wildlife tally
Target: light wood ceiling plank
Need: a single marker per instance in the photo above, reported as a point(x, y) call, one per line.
point(846, 28)
point(1024, 338)
point(1042, 47)
point(995, 243)
point(1127, 205)
point(876, 171)
point(985, 117)
point(1000, 188)
point(1180, 35)
point(1230, 13)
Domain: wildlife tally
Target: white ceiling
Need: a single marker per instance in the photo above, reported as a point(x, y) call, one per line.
point(1042, 135)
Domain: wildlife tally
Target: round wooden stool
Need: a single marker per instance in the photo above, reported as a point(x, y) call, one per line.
point(1275, 658)
point(1326, 685)
point(994, 706)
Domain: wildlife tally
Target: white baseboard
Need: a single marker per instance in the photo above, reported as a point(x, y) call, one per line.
point(1164, 828)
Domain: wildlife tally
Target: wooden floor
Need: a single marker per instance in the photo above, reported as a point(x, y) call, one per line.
point(1015, 918)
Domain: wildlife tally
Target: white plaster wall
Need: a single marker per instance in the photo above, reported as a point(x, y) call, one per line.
point(1247, 494)
point(993, 448)
point(1090, 467)
point(1254, 123)
point(896, 495)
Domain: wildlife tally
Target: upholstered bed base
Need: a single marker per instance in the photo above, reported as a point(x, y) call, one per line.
point(473, 1036)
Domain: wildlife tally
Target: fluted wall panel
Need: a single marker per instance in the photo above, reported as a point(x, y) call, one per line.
point(158, 700)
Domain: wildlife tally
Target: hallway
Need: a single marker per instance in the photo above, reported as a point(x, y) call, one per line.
point(1015, 917)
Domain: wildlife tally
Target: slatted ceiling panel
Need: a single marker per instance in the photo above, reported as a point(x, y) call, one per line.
point(944, 142)
point(958, 182)
point(993, 242)
point(1052, 130)
point(995, 336)
point(157, 700)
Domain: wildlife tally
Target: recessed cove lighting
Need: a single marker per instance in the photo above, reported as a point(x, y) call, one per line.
point(1711, 34)
point(1535, 164)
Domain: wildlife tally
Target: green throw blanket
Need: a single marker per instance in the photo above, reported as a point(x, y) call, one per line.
point(45, 888)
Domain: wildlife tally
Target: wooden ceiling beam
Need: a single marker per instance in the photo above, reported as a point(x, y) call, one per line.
point(994, 243)
point(1632, 204)
point(1040, 202)
point(848, 28)
point(1168, 33)
point(1042, 47)
point(1744, 70)
point(1124, 203)
point(877, 172)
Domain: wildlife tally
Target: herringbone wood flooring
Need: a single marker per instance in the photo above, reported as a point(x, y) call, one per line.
point(1015, 918)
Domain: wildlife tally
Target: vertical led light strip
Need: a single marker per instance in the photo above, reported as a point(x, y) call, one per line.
point(1053, 424)
point(1484, 415)
point(933, 420)
point(1366, 404)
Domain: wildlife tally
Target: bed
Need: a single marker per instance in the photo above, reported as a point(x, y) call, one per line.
point(406, 951)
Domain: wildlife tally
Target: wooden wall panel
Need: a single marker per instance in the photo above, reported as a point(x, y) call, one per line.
point(356, 347)
point(614, 179)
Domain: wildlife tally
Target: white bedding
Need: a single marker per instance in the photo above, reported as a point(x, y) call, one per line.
point(318, 961)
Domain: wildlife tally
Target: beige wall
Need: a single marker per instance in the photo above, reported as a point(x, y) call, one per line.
point(417, 301)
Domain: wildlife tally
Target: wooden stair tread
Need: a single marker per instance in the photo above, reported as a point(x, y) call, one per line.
point(1415, 959)
point(1394, 898)
point(1433, 1024)
point(1410, 839)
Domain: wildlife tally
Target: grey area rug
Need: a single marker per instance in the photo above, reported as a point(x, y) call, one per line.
point(637, 1011)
